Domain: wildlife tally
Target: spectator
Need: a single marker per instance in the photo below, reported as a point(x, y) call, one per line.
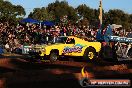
point(7, 47)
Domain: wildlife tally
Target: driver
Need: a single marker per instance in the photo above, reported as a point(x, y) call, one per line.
point(70, 41)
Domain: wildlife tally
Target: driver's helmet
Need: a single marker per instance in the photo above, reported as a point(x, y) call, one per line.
point(68, 40)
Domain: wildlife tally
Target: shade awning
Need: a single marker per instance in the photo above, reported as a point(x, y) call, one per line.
point(29, 20)
point(48, 23)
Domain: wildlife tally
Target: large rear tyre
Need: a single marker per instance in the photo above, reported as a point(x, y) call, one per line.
point(89, 54)
point(129, 53)
point(107, 53)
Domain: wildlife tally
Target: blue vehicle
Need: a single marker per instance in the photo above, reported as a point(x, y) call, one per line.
point(1, 50)
point(114, 47)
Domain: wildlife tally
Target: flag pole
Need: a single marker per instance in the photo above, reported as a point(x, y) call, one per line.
point(100, 12)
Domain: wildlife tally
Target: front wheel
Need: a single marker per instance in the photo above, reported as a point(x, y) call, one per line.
point(53, 57)
point(89, 54)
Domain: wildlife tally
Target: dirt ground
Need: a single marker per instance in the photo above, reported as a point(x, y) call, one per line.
point(15, 72)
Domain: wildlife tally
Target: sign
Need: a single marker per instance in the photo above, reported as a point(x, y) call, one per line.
point(120, 39)
point(87, 82)
point(76, 48)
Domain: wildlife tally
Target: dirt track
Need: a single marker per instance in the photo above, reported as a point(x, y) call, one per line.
point(18, 73)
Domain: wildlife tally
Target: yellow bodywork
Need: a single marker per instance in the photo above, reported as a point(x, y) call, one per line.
point(46, 49)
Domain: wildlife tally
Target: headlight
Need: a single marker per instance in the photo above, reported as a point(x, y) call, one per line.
point(30, 49)
point(43, 50)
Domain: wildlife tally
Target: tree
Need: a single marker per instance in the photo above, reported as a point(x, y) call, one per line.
point(19, 11)
point(88, 13)
point(9, 11)
point(117, 16)
point(130, 18)
point(61, 9)
point(41, 14)
point(85, 11)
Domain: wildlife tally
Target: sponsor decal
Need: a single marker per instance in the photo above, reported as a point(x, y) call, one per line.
point(87, 82)
point(76, 48)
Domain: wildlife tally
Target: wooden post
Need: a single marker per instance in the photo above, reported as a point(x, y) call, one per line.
point(100, 10)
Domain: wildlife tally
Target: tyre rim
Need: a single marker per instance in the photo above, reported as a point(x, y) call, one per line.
point(90, 55)
point(53, 57)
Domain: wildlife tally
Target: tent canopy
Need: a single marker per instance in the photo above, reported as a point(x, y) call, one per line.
point(48, 23)
point(29, 20)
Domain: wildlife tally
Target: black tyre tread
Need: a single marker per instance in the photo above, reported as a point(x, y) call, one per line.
point(89, 49)
point(52, 59)
point(107, 53)
point(130, 53)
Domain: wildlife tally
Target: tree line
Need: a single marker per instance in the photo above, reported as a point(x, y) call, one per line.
point(11, 13)
point(62, 12)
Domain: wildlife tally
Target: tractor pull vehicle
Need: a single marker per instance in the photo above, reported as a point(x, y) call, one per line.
point(107, 47)
point(66, 46)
